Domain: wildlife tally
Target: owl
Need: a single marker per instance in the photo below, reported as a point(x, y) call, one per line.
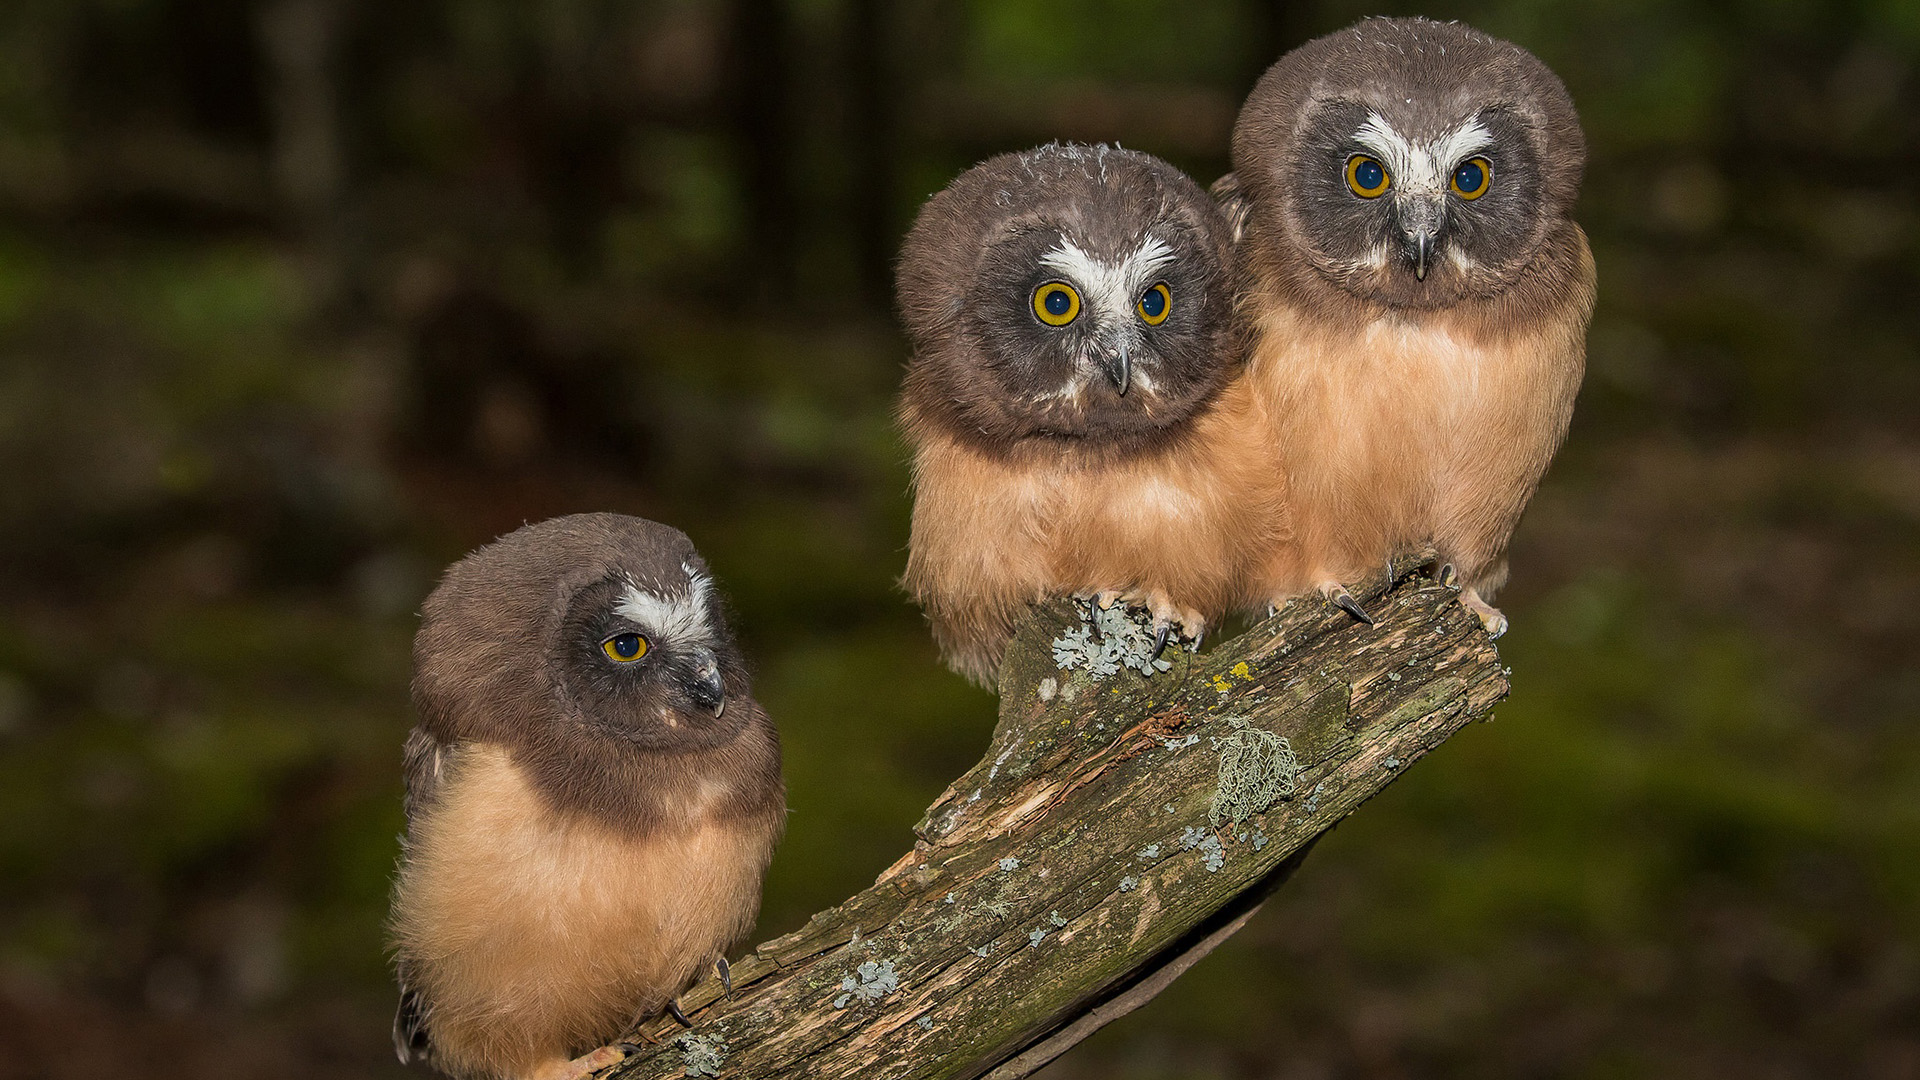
point(1067, 400)
point(592, 798)
point(1416, 295)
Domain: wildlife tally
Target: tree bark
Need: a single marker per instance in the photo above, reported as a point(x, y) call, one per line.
point(1094, 854)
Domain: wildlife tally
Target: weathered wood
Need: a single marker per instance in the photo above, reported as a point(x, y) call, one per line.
point(1084, 863)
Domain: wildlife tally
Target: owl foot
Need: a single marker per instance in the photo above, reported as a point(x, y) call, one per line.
point(1339, 597)
point(585, 1065)
point(1170, 620)
point(1489, 615)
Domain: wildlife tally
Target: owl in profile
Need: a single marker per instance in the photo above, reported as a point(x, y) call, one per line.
point(1068, 310)
point(1416, 294)
point(592, 798)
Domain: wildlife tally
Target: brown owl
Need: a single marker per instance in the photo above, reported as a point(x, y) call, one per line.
point(1069, 313)
point(1416, 295)
point(592, 798)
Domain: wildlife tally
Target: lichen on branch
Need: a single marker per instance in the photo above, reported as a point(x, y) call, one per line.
point(1125, 819)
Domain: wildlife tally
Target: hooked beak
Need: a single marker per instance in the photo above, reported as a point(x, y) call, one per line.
point(705, 685)
point(1422, 218)
point(1116, 364)
point(1422, 255)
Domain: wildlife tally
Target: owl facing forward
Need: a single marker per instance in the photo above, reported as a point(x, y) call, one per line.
point(1069, 313)
point(1416, 293)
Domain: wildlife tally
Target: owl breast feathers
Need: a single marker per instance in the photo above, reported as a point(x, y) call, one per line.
point(1071, 399)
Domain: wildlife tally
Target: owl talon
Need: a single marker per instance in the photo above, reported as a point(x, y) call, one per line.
point(1345, 602)
point(673, 1010)
point(1447, 575)
point(1160, 639)
point(726, 975)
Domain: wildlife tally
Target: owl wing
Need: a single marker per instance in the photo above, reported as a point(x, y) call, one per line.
point(1233, 203)
point(423, 759)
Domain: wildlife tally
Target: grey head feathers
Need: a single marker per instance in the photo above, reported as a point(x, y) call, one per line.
point(1076, 295)
point(1409, 163)
point(597, 648)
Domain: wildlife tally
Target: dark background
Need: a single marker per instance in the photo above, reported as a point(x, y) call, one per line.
point(301, 299)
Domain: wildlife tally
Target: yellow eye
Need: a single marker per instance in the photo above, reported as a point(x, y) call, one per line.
point(1366, 177)
point(624, 648)
point(1472, 178)
point(1155, 304)
point(1055, 303)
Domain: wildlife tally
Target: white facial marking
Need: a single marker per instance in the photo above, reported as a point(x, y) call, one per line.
point(1109, 287)
point(679, 616)
point(1108, 293)
point(1424, 166)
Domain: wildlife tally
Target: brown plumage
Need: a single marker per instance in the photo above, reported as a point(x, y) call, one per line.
point(1416, 294)
point(1091, 449)
point(592, 798)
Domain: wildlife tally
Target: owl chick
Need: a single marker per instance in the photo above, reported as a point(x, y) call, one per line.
point(1416, 294)
point(592, 798)
point(1068, 310)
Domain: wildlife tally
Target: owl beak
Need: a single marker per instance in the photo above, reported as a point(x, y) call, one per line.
point(1116, 364)
point(707, 689)
point(1422, 255)
point(1421, 219)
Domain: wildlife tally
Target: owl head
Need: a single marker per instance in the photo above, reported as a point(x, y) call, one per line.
point(1408, 162)
point(592, 629)
point(1069, 292)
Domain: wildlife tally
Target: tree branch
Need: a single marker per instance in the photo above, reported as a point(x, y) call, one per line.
point(1093, 854)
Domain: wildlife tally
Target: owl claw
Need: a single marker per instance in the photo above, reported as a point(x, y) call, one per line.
point(673, 1010)
point(726, 975)
point(1344, 600)
point(1160, 639)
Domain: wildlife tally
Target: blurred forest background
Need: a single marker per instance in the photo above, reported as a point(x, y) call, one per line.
point(302, 299)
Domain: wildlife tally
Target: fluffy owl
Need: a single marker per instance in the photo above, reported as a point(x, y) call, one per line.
point(592, 798)
point(1069, 313)
point(1416, 294)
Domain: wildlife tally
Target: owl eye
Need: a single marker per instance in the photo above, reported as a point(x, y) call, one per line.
point(1155, 304)
point(1472, 178)
point(1366, 177)
point(624, 648)
point(1055, 303)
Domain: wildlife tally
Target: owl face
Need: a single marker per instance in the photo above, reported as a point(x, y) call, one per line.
point(592, 629)
point(1069, 292)
point(1410, 162)
point(642, 656)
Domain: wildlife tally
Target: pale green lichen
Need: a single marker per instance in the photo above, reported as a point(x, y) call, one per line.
point(702, 1055)
point(1257, 769)
point(869, 982)
point(1107, 640)
point(1210, 847)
